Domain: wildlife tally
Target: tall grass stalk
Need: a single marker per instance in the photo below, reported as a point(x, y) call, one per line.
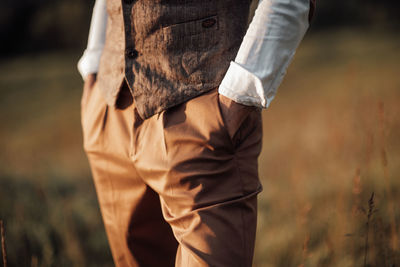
point(3, 243)
point(371, 210)
point(384, 160)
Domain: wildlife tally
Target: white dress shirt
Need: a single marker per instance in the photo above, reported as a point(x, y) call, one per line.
point(268, 47)
point(90, 61)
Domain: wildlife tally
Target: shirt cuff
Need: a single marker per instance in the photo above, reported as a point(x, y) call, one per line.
point(244, 87)
point(89, 62)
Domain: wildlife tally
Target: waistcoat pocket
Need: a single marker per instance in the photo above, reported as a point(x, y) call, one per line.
point(199, 33)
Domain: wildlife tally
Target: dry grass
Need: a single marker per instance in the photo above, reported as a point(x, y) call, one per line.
point(331, 138)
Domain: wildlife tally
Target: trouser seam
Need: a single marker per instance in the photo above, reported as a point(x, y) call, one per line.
point(241, 210)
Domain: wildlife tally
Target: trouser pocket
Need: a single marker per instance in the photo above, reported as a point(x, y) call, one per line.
point(235, 117)
point(93, 117)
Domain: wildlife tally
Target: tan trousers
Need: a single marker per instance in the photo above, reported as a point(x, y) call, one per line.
point(175, 189)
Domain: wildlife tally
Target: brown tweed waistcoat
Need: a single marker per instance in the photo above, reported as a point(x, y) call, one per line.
point(169, 51)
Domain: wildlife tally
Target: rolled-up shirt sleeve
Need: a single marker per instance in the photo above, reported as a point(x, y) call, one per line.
point(266, 51)
point(90, 60)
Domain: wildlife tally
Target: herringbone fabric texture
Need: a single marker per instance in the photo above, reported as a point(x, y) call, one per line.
point(169, 51)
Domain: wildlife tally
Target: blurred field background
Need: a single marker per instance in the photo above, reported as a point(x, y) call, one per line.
point(331, 139)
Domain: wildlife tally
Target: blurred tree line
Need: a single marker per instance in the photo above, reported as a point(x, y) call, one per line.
point(35, 25)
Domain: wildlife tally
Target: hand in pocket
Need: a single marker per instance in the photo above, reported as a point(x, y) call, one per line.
point(233, 114)
point(87, 86)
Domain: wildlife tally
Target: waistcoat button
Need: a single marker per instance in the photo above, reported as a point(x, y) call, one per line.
point(207, 23)
point(131, 53)
point(128, 2)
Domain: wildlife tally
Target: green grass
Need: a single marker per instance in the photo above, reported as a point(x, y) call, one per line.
point(331, 138)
